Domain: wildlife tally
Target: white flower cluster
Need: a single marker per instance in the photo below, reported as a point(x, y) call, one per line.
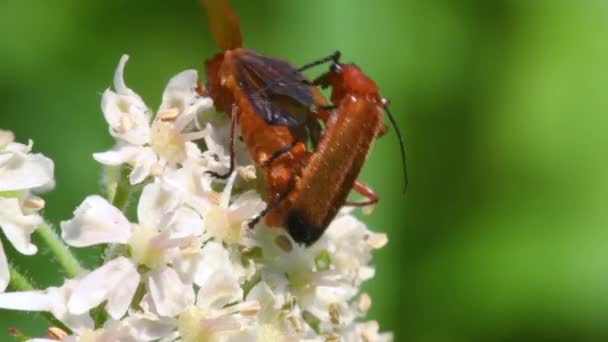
point(187, 268)
point(21, 175)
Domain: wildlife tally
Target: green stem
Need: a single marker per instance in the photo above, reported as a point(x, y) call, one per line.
point(120, 199)
point(100, 316)
point(19, 282)
point(60, 250)
point(123, 190)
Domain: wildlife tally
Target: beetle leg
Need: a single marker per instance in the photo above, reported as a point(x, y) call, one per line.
point(382, 131)
point(275, 201)
point(323, 112)
point(201, 90)
point(326, 109)
point(233, 119)
point(321, 108)
point(365, 191)
point(279, 153)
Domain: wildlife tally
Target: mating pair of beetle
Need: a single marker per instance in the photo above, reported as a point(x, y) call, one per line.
point(278, 111)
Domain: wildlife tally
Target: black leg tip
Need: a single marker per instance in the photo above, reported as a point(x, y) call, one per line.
point(253, 223)
point(218, 175)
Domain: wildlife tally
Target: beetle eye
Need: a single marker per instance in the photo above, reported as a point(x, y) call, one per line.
point(335, 68)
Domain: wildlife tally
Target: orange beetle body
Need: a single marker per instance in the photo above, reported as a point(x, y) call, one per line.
point(333, 168)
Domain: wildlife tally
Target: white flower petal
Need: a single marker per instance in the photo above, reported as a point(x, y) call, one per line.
point(53, 300)
point(107, 282)
point(213, 257)
point(145, 328)
point(6, 137)
point(185, 222)
point(25, 301)
point(221, 289)
point(180, 96)
point(225, 197)
point(17, 227)
point(119, 82)
point(263, 294)
point(154, 203)
point(246, 206)
point(179, 91)
point(170, 295)
point(125, 111)
point(96, 221)
point(5, 275)
point(117, 156)
point(187, 184)
point(5, 158)
point(31, 171)
point(347, 241)
point(19, 148)
point(119, 300)
point(142, 166)
point(58, 298)
point(127, 117)
point(217, 141)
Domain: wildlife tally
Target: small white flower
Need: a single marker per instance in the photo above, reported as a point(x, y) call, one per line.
point(96, 221)
point(146, 326)
point(21, 170)
point(163, 224)
point(127, 330)
point(350, 244)
point(188, 185)
point(280, 318)
point(53, 300)
point(125, 111)
point(227, 221)
point(18, 227)
point(146, 144)
point(115, 281)
point(212, 258)
point(165, 228)
point(169, 294)
point(216, 317)
point(367, 331)
point(21, 174)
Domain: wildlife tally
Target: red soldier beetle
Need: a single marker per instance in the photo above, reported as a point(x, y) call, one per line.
point(274, 117)
point(332, 169)
point(271, 100)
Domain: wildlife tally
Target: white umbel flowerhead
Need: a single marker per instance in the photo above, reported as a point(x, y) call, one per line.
point(149, 144)
point(22, 174)
point(181, 264)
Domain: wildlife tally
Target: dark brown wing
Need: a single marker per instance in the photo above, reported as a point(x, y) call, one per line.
point(269, 83)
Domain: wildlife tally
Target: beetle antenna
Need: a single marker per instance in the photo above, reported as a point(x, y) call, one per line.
point(401, 144)
point(334, 58)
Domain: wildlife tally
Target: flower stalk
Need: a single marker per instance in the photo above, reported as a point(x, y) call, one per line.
point(19, 282)
point(123, 190)
point(60, 251)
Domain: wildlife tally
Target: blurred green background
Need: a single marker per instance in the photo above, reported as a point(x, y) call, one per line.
point(503, 234)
